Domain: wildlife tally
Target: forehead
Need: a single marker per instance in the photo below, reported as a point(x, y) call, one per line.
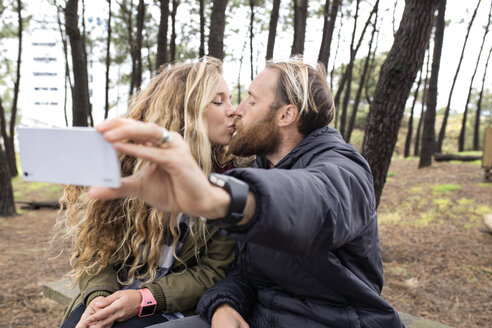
point(264, 83)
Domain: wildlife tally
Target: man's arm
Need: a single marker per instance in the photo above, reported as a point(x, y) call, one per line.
point(300, 211)
point(234, 290)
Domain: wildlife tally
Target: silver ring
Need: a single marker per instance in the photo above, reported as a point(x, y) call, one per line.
point(166, 137)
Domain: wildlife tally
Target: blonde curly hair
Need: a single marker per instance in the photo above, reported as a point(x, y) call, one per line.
point(127, 233)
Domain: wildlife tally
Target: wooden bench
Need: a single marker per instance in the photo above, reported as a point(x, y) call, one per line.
point(487, 154)
point(59, 292)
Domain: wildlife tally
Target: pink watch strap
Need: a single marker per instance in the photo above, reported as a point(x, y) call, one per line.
point(148, 304)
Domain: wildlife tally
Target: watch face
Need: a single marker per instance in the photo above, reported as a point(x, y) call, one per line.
point(148, 310)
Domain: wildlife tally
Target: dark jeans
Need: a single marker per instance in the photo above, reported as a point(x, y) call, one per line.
point(135, 322)
point(194, 321)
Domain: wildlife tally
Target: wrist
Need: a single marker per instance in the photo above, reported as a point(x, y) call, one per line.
point(219, 204)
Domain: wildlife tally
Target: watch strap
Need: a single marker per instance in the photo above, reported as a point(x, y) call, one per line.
point(148, 301)
point(238, 190)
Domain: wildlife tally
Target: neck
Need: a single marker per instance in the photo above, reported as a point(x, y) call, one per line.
point(289, 141)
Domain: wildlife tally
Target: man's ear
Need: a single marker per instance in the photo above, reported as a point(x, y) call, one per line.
point(288, 115)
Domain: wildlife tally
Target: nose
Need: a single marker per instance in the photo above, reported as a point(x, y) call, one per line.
point(230, 110)
point(240, 110)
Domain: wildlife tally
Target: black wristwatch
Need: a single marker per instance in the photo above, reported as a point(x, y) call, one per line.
point(239, 194)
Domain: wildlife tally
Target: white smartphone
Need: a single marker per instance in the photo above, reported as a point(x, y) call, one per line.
point(72, 156)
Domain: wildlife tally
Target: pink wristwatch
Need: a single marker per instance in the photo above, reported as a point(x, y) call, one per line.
point(148, 305)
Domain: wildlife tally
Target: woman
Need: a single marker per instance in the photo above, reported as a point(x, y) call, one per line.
point(127, 252)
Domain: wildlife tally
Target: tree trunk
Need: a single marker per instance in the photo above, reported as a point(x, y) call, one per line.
point(397, 76)
point(408, 140)
point(348, 74)
point(251, 35)
point(442, 132)
point(476, 134)
point(108, 63)
point(330, 17)
point(239, 73)
point(217, 26)
point(201, 50)
point(461, 139)
point(7, 206)
point(172, 48)
point(67, 67)
point(362, 80)
point(84, 43)
point(418, 139)
point(131, 42)
point(80, 92)
point(332, 71)
point(429, 134)
point(139, 42)
point(161, 57)
point(300, 19)
point(353, 54)
point(9, 140)
point(272, 30)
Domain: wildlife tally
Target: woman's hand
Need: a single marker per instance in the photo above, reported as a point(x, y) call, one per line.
point(171, 180)
point(120, 306)
point(226, 316)
point(89, 310)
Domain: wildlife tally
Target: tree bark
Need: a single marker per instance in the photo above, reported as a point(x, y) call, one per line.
point(7, 206)
point(353, 54)
point(217, 27)
point(252, 5)
point(161, 57)
point(67, 67)
point(300, 19)
point(348, 73)
point(442, 131)
point(329, 20)
point(201, 50)
point(461, 139)
point(476, 134)
point(272, 30)
point(80, 92)
point(397, 76)
point(408, 139)
point(139, 43)
point(362, 80)
point(172, 48)
point(429, 134)
point(108, 62)
point(418, 139)
point(9, 140)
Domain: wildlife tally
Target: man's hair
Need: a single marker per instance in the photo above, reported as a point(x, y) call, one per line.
point(304, 86)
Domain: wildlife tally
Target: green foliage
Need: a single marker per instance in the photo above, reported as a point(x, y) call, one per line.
point(445, 188)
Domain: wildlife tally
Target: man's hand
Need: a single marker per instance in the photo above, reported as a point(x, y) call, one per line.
point(120, 306)
point(226, 316)
point(171, 180)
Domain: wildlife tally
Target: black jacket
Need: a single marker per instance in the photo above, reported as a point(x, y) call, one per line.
point(310, 256)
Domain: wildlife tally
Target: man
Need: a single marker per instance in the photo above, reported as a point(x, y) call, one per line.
point(304, 214)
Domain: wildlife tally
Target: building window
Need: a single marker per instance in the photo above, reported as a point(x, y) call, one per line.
point(45, 89)
point(44, 59)
point(44, 44)
point(44, 74)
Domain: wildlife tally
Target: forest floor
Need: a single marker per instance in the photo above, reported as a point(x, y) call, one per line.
point(436, 251)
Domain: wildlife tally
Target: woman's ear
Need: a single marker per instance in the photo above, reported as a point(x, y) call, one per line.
point(288, 115)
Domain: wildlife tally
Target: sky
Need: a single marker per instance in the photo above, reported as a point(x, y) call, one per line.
point(458, 14)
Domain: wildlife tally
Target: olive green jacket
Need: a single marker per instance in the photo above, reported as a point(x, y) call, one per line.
point(181, 288)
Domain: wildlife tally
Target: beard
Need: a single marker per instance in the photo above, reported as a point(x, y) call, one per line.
point(261, 139)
